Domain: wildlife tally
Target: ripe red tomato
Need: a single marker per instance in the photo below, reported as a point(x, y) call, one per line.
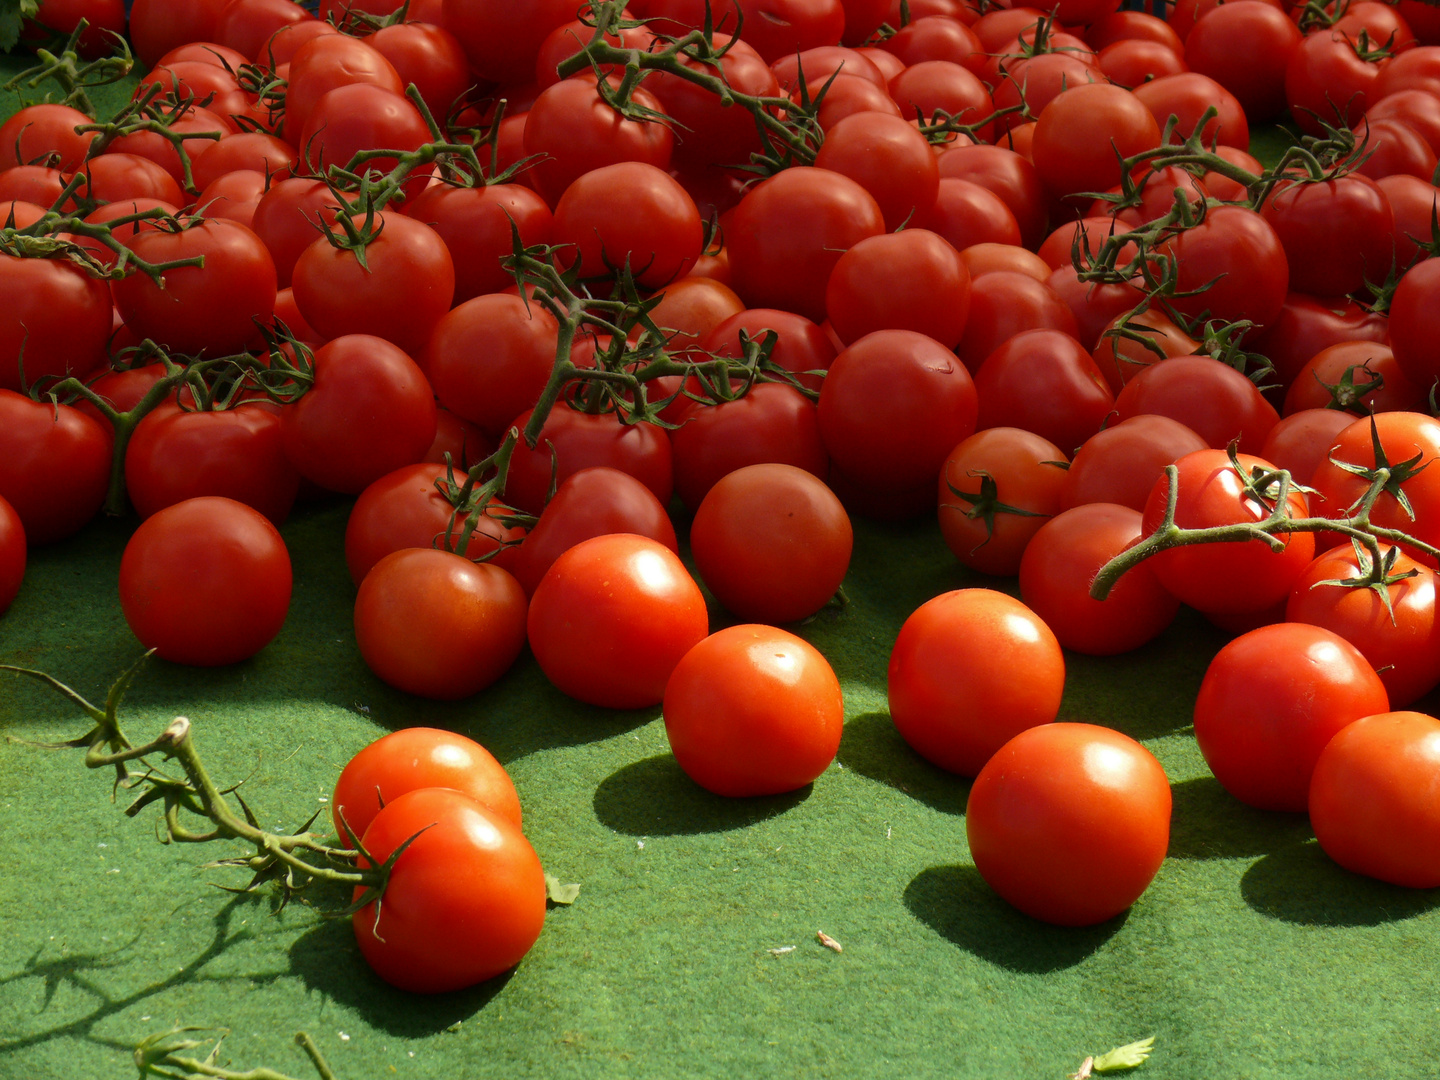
point(1065, 803)
point(1246, 50)
point(1046, 382)
point(465, 901)
point(432, 623)
point(55, 322)
point(910, 280)
point(475, 223)
point(1214, 400)
point(629, 214)
point(970, 670)
point(1121, 464)
point(1374, 798)
point(1084, 131)
point(611, 619)
point(419, 757)
point(205, 582)
point(325, 63)
point(1336, 233)
point(752, 710)
point(54, 465)
point(12, 555)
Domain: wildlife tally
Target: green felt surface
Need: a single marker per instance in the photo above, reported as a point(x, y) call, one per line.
point(1250, 956)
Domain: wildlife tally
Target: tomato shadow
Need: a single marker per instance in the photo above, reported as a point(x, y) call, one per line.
point(873, 748)
point(328, 962)
point(1207, 822)
point(1299, 883)
point(955, 902)
point(654, 797)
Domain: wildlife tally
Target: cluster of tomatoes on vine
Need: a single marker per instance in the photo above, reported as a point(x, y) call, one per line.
point(1014, 267)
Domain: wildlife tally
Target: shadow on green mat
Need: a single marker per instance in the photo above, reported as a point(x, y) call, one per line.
point(1300, 884)
point(872, 747)
point(654, 797)
point(1207, 822)
point(955, 902)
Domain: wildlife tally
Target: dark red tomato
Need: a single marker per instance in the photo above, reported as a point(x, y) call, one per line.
point(1320, 383)
point(1336, 233)
point(55, 321)
point(936, 37)
point(205, 582)
point(196, 79)
point(1239, 251)
point(753, 710)
point(36, 132)
point(243, 150)
point(516, 345)
point(578, 131)
point(709, 133)
point(211, 308)
point(970, 670)
point(889, 158)
point(1302, 440)
point(910, 280)
point(405, 509)
point(1121, 464)
point(475, 223)
point(943, 86)
point(582, 440)
point(399, 293)
point(1043, 381)
point(288, 220)
point(1328, 82)
point(109, 213)
point(360, 117)
point(233, 196)
point(611, 619)
point(368, 411)
point(1418, 108)
point(1423, 20)
point(12, 555)
point(568, 39)
point(200, 127)
point(245, 25)
point(324, 63)
point(1010, 176)
point(1006, 303)
point(1415, 322)
point(772, 422)
point(280, 48)
point(966, 214)
point(1084, 131)
point(1186, 97)
point(1235, 576)
point(690, 309)
point(789, 232)
point(1212, 398)
point(1398, 633)
point(175, 455)
point(466, 899)
point(996, 489)
point(850, 94)
point(1038, 81)
point(1306, 325)
point(104, 18)
point(628, 214)
point(893, 406)
point(1090, 231)
point(121, 390)
point(1414, 202)
point(1134, 62)
point(1061, 561)
point(1131, 25)
point(430, 58)
point(1095, 306)
point(463, 441)
point(122, 177)
point(801, 347)
point(33, 184)
point(157, 26)
point(1383, 25)
point(1372, 799)
point(434, 624)
point(1415, 69)
point(503, 39)
point(413, 758)
point(1394, 148)
point(1270, 701)
point(1065, 801)
point(1245, 45)
point(54, 466)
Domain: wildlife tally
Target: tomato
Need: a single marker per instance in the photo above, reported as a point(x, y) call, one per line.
point(157, 26)
point(55, 322)
point(982, 259)
point(996, 489)
point(709, 133)
point(1415, 322)
point(502, 39)
point(1336, 233)
point(1008, 175)
point(910, 280)
point(1186, 97)
point(54, 466)
point(1394, 148)
point(234, 196)
point(1132, 62)
point(1235, 576)
point(1122, 463)
point(476, 223)
point(1069, 803)
point(692, 308)
point(205, 582)
point(772, 542)
point(1213, 399)
point(200, 128)
point(287, 220)
point(887, 157)
point(12, 555)
point(893, 405)
point(801, 347)
point(435, 624)
point(113, 177)
point(1062, 560)
point(1083, 132)
point(1302, 440)
point(1237, 254)
point(612, 617)
point(752, 710)
point(245, 25)
point(1414, 202)
point(1006, 303)
point(324, 63)
point(970, 670)
point(1319, 384)
point(430, 58)
point(935, 37)
point(368, 412)
point(1245, 49)
point(933, 86)
point(1306, 325)
point(466, 899)
point(36, 132)
point(1043, 381)
point(419, 757)
point(967, 214)
point(356, 117)
point(1328, 82)
point(400, 292)
point(1373, 799)
point(629, 214)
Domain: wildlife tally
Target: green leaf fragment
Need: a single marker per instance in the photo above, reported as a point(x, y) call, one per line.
point(557, 893)
point(1124, 1057)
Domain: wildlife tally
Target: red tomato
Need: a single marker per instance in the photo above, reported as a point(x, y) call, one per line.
point(287, 220)
point(887, 157)
point(970, 670)
point(1122, 463)
point(772, 542)
point(475, 223)
point(356, 117)
point(1237, 250)
point(1306, 325)
point(910, 280)
point(752, 710)
point(801, 346)
point(1043, 381)
point(435, 624)
point(36, 132)
point(157, 26)
point(1065, 803)
point(629, 214)
point(1321, 382)
point(709, 133)
point(1006, 303)
point(1328, 82)
point(1336, 233)
point(1008, 175)
point(1245, 49)
point(54, 466)
point(502, 38)
point(55, 321)
point(205, 582)
point(1186, 97)
point(419, 757)
point(1213, 399)
point(1373, 799)
point(466, 899)
point(12, 555)
point(611, 619)
point(1415, 322)
point(1302, 440)
point(430, 58)
point(324, 63)
point(1084, 131)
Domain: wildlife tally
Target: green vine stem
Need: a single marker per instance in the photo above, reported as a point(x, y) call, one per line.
point(164, 1055)
point(63, 67)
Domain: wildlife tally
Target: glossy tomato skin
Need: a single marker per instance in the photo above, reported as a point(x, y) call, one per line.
point(434, 624)
point(970, 670)
point(55, 322)
point(1084, 131)
point(910, 280)
point(1046, 382)
point(1336, 233)
point(465, 901)
point(12, 555)
point(54, 466)
point(205, 582)
point(753, 710)
point(419, 757)
point(1232, 577)
point(612, 617)
point(772, 542)
point(1270, 701)
point(475, 223)
point(1211, 398)
point(1415, 322)
point(1373, 798)
point(1068, 803)
point(1121, 463)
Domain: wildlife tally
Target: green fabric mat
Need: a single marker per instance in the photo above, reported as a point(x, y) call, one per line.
point(1250, 956)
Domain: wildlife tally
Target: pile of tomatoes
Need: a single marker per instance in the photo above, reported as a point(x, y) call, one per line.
point(533, 282)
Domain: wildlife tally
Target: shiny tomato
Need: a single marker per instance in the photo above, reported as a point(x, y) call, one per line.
point(1245, 49)
point(1213, 399)
point(629, 214)
point(1083, 132)
point(910, 280)
point(12, 554)
point(1122, 463)
point(1043, 381)
point(476, 223)
point(55, 321)
point(1336, 233)
point(1006, 303)
point(889, 158)
point(54, 466)
point(1358, 377)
